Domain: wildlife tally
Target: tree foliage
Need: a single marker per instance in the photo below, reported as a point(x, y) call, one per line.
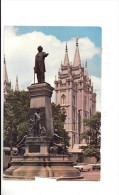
point(93, 135)
point(16, 118)
point(59, 117)
point(91, 151)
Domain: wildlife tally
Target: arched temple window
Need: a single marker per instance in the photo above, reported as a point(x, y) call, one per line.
point(74, 114)
point(85, 102)
point(73, 100)
point(63, 99)
point(74, 138)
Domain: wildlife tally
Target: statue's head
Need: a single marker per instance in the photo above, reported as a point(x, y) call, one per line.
point(55, 130)
point(40, 49)
point(38, 110)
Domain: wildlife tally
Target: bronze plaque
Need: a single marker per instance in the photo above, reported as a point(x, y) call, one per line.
point(34, 149)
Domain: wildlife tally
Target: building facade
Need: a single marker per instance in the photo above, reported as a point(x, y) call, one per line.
point(74, 92)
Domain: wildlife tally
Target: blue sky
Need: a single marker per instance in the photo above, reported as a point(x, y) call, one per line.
point(20, 48)
point(64, 33)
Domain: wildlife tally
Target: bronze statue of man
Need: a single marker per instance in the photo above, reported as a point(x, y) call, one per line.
point(37, 122)
point(40, 65)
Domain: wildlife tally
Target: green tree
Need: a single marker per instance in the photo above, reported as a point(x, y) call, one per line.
point(59, 117)
point(92, 135)
point(16, 117)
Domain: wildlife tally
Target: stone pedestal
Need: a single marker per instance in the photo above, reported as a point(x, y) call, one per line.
point(40, 97)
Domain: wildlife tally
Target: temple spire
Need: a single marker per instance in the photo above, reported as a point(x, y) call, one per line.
point(5, 72)
point(17, 85)
point(7, 84)
point(76, 41)
point(77, 60)
point(86, 69)
point(66, 58)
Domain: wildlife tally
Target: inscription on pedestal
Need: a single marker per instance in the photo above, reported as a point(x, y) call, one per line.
point(34, 149)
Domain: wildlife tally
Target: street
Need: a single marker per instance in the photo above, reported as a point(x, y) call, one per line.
point(91, 175)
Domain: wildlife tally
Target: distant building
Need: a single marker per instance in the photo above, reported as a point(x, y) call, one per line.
point(7, 83)
point(17, 84)
point(74, 92)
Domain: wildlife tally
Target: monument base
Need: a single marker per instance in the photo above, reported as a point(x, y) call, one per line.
point(37, 165)
point(37, 160)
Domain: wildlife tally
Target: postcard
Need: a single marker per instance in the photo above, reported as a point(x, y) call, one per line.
point(59, 97)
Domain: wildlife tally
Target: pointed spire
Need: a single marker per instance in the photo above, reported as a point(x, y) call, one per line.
point(4, 60)
point(17, 85)
point(7, 84)
point(66, 58)
point(66, 48)
point(86, 69)
point(86, 64)
point(5, 72)
point(76, 41)
point(77, 60)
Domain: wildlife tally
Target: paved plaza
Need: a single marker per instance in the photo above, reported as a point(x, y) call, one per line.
point(91, 175)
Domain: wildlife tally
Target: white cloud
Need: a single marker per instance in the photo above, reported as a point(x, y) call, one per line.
point(20, 51)
point(88, 48)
